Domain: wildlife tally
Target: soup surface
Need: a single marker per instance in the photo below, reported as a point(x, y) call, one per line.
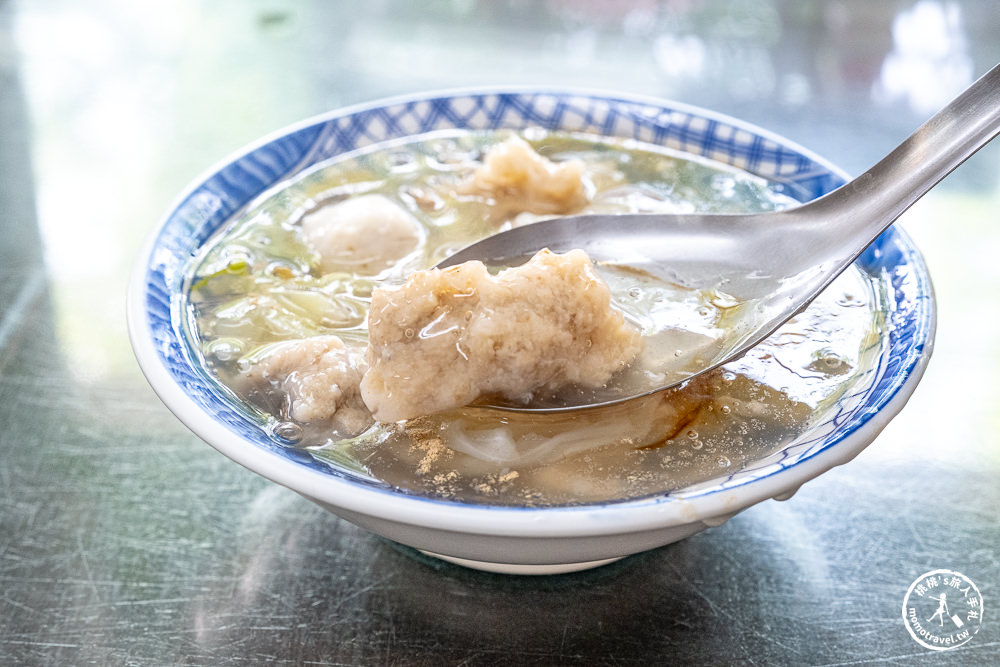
point(261, 283)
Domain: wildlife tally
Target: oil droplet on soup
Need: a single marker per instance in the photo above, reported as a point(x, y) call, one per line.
point(257, 283)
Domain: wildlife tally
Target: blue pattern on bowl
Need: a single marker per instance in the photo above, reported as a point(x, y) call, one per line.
point(215, 200)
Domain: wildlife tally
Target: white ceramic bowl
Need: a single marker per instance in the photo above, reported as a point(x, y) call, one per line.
point(517, 539)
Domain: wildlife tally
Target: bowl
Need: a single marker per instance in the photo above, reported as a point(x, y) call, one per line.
point(503, 538)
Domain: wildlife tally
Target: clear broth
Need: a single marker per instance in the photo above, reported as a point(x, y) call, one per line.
point(257, 283)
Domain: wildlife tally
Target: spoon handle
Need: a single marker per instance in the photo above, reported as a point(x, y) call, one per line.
point(866, 206)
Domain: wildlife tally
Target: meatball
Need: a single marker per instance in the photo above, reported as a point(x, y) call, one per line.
point(364, 235)
point(321, 377)
point(514, 171)
point(448, 336)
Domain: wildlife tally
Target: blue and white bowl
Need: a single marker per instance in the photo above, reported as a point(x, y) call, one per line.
point(512, 539)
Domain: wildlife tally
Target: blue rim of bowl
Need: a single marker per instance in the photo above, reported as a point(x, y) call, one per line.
point(213, 199)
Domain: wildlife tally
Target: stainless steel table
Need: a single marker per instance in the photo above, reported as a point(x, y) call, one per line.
point(125, 540)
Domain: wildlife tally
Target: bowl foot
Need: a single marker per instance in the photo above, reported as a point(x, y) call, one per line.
point(514, 568)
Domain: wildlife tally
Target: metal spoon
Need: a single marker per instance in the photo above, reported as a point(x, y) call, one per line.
point(779, 262)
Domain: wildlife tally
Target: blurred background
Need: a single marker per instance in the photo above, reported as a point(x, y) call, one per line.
point(125, 540)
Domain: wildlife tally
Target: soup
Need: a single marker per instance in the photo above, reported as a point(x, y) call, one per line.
point(269, 280)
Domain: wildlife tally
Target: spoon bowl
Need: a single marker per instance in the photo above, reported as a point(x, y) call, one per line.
point(773, 264)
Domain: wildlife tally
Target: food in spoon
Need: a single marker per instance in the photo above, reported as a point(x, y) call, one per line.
point(448, 336)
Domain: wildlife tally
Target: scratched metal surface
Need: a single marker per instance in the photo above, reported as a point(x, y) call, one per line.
point(125, 540)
